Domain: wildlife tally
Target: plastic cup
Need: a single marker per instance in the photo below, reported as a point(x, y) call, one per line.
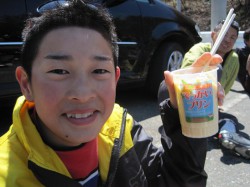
point(196, 94)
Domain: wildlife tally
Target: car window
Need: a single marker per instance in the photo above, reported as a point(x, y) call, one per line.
point(143, 1)
point(50, 5)
point(11, 17)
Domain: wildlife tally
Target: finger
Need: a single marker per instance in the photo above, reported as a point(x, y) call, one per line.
point(202, 60)
point(216, 59)
point(208, 58)
point(170, 84)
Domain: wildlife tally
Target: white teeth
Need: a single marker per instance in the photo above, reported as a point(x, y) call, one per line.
point(79, 116)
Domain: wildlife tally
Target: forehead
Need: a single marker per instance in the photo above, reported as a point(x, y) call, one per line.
point(72, 32)
point(231, 31)
point(74, 38)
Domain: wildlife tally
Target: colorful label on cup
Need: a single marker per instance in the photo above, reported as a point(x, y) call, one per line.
point(198, 101)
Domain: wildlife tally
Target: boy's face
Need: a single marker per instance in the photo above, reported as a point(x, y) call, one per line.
point(228, 41)
point(73, 85)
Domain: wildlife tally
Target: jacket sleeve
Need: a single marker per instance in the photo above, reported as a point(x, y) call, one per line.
point(184, 157)
point(247, 83)
point(180, 160)
point(230, 71)
point(243, 75)
point(242, 68)
point(194, 53)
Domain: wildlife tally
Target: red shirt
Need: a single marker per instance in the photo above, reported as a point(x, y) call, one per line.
point(81, 162)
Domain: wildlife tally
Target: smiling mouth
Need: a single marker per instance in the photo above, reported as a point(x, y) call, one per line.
point(79, 116)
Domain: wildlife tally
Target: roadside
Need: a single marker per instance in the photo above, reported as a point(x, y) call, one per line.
point(223, 167)
point(200, 12)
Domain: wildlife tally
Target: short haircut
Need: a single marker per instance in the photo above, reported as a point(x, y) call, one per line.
point(234, 25)
point(74, 13)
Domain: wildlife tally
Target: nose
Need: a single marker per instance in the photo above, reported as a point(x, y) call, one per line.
point(81, 89)
point(227, 38)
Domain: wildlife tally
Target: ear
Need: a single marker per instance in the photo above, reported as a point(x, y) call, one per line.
point(117, 74)
point(213, 36)
point(24, 83)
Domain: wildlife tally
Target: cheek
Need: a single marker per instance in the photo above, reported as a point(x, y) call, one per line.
point(111, 90)
point(47, 100)
point(108, 93)
point(46, 92)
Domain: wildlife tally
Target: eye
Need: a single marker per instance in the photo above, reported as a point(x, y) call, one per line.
point(100, 71)
point(59, 71)
point(233, 38)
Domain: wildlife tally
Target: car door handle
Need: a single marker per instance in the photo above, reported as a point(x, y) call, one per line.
point(6, 65)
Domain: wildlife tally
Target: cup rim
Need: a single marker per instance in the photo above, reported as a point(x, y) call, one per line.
point(178, 72)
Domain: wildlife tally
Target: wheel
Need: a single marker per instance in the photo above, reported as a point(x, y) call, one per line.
point(169, 56)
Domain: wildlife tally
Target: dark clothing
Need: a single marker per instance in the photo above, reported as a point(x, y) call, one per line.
point(243, 75)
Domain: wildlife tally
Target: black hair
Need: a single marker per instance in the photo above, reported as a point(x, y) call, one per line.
point(246, 35)
point(234, 25)
point(75, 13)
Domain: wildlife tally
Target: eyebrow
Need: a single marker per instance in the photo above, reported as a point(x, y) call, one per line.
point(69, 57)
point(58, 57)
point(103, 58)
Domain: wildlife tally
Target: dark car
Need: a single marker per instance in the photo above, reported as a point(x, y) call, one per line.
point(152, 38)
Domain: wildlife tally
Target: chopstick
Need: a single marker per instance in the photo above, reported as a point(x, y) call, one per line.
point(229, 19)
point(223, 31)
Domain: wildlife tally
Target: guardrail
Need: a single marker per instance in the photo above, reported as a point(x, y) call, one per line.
point(206, 37)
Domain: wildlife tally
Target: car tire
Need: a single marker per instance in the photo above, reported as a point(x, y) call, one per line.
point(169, 56)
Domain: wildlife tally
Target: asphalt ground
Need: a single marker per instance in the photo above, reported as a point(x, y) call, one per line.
point(224, 168)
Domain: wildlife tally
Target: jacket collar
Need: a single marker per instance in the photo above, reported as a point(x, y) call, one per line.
point(38, 151)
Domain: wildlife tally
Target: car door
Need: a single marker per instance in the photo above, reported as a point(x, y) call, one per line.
point(12, 13)
point(127, 18)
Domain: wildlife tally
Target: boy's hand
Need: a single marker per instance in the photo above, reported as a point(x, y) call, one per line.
point(207, 57)
point(201, 61)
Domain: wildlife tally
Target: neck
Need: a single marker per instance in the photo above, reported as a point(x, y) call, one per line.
point(44, 134)
point(221, 54)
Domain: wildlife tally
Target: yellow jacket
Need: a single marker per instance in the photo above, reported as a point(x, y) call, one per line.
point(126, 154)
point(22, 143)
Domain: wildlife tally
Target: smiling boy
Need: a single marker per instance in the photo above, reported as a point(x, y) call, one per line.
point(73, 98)
point(67, 129)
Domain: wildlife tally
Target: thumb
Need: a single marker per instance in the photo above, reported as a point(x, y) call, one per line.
point(170, 85)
